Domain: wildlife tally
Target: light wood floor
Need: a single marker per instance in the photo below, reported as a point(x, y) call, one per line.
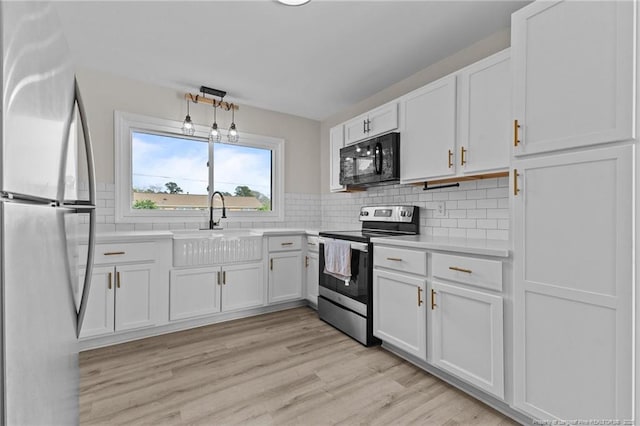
point(282, 368)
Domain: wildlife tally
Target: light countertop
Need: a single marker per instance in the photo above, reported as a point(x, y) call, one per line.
point(133, 236)
point(496, 248)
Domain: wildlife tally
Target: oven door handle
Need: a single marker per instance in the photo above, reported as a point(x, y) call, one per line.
point(354, 245)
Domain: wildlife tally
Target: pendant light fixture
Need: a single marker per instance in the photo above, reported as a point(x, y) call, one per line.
point(187, 125)
point(214, 133)
point(233, 132)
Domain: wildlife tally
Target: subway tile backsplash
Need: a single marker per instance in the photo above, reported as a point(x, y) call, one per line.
point(477, 209)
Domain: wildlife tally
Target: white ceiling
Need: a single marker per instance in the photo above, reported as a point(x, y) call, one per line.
point(311, 61)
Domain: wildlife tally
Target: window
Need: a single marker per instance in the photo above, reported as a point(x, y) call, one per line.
point(164, 176)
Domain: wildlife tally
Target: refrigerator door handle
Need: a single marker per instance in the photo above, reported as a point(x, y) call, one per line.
point(92, 212)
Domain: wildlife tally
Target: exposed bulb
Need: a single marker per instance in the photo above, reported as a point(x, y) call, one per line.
point(187, 126)
point(214, 134)
point(368, 151)
point(233, 133)
point(358, 149)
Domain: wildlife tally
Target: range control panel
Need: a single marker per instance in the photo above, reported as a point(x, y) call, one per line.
point(387, 213)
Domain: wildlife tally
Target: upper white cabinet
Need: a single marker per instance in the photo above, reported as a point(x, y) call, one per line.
point(573, 287)
point(427, 143)
point(336, 142)
point(485, 111)
point(376, 122)
point(573, 74)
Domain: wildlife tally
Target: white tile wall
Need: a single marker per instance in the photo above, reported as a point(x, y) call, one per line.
point(477, 209)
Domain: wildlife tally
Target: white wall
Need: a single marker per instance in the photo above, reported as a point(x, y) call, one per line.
point(103, 93)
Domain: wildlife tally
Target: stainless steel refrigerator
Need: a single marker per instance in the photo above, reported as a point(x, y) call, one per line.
point(44, 145)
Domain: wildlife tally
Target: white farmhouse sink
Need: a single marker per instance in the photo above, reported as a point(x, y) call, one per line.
point(215, 247)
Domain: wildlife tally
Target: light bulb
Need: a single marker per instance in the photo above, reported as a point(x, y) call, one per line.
point(233, 133)
point(358, 149)
point(214, 134)
point(187, 126)
point(368, 151)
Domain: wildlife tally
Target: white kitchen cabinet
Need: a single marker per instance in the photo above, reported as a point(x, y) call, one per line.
point(242, 286)
point(573, 270)
point(399, 311)
point(467, 335)
point(485, 111)
point(133, 296)
point(375, 122)
point(336, 142)
point(285, 276)
point(573, 74)
point(429, 132)
point(312, 265)
point(100, 311)
point(194, 292)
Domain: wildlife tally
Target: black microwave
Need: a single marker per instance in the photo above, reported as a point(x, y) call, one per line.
point(370, 162)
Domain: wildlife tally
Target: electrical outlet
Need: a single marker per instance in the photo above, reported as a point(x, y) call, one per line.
point(440, 210)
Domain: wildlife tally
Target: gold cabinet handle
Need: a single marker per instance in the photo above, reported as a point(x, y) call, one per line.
point(113, 253)
point(463, 151)
point(118, 279)
point(306, 261)
point(450, 159)
point(455, 268)
point(420, 301)
point(286, 244)
point(224, 277)
point(110, 281)
point(312, 244)
point(219, 279)
point(271, 264)
point(394, 259)
point(516, 127)
point(433, 299)
point(515, 182)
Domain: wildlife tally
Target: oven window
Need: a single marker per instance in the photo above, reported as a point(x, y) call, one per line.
point(358, 286)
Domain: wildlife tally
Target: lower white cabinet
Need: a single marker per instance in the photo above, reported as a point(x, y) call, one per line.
point(467, 335)
point(399, 311)
point(199, 292)
point(312, 266)
point(285, 276)
point(119, 299)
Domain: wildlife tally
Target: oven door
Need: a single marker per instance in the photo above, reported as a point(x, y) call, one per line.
point(357, 288)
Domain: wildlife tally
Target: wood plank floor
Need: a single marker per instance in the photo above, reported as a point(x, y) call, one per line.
point(282, 368)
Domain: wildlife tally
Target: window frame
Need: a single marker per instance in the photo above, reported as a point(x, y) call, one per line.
point(126, 123)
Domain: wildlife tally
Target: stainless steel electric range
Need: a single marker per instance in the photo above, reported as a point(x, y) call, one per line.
point(347, 304)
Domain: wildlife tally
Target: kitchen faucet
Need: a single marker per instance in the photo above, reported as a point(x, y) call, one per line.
point(213, 224)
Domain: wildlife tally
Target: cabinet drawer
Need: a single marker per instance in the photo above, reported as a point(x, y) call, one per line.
point(404, 260)
point(120, 253)
point(283, 243)
point(312, 244)
point(469, 270)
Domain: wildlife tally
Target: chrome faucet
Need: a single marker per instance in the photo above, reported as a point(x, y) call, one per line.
point(213, 224)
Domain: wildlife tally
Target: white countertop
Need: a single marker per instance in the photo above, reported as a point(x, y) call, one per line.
point(496, 248)
point(132, 236)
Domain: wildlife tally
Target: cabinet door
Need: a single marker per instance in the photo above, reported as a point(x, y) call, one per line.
point(573, 263)
point(382, 120)
point(336, 141)
point(428, 138)
point(399, 311)
point(242, 286)
point(312, 269)
point(573, 73)
point(355, 130)
point(133, 297)
point(194, 292)
point(98, 319)
point(485, 111)
point(467, 336)
point(285, 276)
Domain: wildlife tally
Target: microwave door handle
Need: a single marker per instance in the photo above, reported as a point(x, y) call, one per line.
point(377, 158)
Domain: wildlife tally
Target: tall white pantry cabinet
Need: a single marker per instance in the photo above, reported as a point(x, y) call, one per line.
point(573, 200)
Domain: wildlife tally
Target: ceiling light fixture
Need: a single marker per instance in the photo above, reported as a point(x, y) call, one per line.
point(187, 125)
point(214, 133)
point(233, 132)
point(294, 2)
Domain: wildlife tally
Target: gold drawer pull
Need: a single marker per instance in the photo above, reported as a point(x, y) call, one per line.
point(110, 281)
point(420, 301)
point(450, 159)
point(271, 264)
point(516, 127)
point(118, 279)
point(395, 259)
point(286, 244)
point(455, 268)
point(218, 276)
point(113, 253)
point(306, 261)
point(433, 299)
point(224, 277)
point(516, 190)
point(463, 161)
point(312, 244)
